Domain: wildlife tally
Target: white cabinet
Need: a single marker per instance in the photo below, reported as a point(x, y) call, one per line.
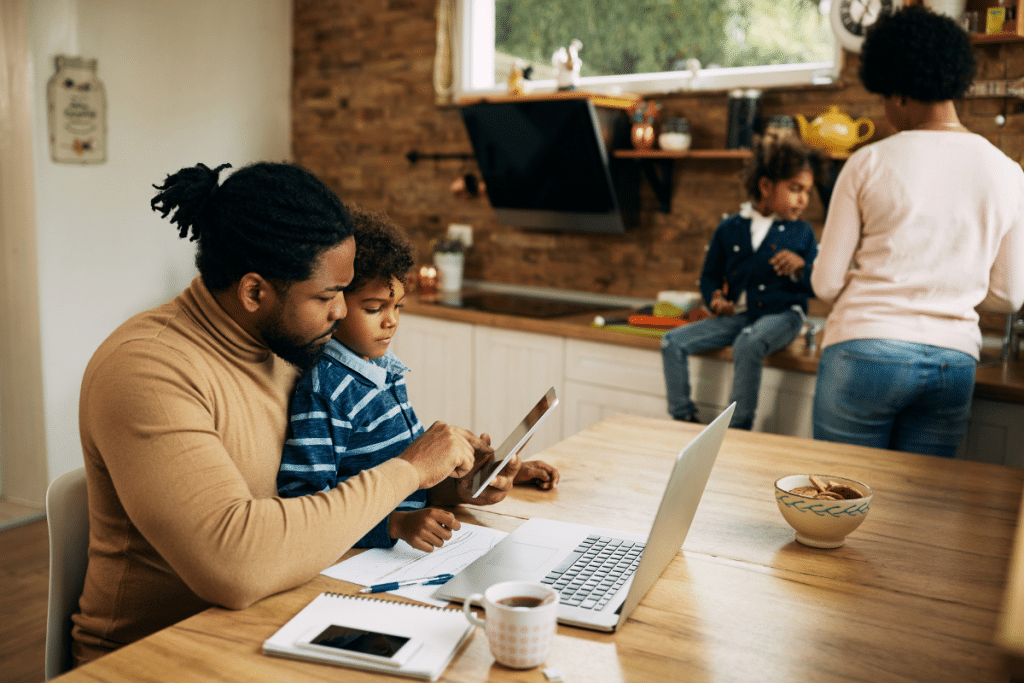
point(486, 378)
point(995, 433)
point(586, 405)
point(482, 378)
point(602, 379)
point(439, 354)
point(785, 404)
point(512, 371)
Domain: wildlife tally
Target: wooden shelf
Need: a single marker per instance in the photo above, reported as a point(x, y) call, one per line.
point(624, 101)
point(657, 164)
point(688, 154)
point(995, 38)
point(702, 154)
point(981, 7)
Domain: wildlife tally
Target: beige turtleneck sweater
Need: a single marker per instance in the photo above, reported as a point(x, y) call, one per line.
point(183, 417)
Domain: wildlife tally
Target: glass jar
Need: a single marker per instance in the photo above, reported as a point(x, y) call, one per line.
point(675, 135)
point(780, 125)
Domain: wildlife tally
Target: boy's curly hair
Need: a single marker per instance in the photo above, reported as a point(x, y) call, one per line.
point(780, 157)
point(383, 251)
point(919, 54)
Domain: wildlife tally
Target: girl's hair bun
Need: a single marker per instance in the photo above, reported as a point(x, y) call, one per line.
point(187, 194)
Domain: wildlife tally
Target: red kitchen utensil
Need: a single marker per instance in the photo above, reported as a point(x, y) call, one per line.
point(655, 322)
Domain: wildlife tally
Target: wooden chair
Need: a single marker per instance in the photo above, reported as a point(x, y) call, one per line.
point(67, 518)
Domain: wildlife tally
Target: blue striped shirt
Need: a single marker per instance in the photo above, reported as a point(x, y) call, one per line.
point(347, 415)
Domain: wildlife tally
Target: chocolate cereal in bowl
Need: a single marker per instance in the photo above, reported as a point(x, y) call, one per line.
point(823, 509)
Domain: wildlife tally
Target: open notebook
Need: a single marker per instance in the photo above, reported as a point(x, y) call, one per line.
point(430, 636)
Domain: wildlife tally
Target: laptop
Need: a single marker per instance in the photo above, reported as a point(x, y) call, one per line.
point(553, 552)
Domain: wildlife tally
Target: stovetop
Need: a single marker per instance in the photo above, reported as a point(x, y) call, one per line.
point(525, 306)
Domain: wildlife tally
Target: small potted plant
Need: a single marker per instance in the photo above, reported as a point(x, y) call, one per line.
point(449, 258)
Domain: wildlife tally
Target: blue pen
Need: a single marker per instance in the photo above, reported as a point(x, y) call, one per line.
point(429, 581)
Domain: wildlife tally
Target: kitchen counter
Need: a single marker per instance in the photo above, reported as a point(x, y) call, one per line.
point(995, 380)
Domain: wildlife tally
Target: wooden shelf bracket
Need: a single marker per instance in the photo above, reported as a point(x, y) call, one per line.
point(659, 174)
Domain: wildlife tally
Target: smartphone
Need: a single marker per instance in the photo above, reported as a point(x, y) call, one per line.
point(515, 442)
point(374, 646)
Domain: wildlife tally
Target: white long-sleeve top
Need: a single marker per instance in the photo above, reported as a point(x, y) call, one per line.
point(922, 228)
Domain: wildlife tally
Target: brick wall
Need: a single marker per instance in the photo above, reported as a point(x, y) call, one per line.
point(363, 98)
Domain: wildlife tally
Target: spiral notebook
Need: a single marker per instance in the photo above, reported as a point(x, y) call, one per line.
point(436, 633)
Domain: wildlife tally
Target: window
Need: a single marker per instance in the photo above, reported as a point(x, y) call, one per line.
point(645, 46)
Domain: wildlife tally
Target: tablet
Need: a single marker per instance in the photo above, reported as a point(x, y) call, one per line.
point(515, 442)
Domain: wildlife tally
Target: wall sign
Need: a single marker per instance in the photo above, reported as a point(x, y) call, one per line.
point(77, 110)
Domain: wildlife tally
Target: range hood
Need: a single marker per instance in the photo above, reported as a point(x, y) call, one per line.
point(548, 163)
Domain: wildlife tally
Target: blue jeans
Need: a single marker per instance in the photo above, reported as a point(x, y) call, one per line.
point(751, 342)
point(894, 394)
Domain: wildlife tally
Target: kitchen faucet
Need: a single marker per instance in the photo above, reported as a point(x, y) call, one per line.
point(811, 330)
point(1012, 337)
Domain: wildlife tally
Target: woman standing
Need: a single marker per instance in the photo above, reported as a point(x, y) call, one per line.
point(923, 227)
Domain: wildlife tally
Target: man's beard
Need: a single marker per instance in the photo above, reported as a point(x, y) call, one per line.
point(304, 356)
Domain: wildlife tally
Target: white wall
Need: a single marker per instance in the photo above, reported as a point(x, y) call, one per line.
point(186, 81)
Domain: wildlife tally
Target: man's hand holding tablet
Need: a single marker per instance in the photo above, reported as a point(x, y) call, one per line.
point(494, 470)
point(511, 447)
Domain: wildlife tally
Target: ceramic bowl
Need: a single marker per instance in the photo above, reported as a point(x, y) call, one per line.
point(821, 523)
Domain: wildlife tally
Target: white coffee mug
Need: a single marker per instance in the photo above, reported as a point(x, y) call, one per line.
point(520, 623)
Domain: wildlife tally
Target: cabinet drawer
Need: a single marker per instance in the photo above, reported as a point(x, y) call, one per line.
point(617, 367)
point(586, 405)
point(512, 370)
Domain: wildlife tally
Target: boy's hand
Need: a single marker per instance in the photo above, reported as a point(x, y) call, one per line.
point(539, 473)
point(424, 529)
point(720, 305)
point(787, 262)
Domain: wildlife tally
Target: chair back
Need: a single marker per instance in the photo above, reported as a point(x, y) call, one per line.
point(67, 518)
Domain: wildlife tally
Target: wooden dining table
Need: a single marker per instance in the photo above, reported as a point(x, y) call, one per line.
point(915, 594)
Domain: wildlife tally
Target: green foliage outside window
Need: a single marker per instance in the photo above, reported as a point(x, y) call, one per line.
point(645, 36)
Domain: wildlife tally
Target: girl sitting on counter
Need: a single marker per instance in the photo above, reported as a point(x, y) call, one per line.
point(755, 279)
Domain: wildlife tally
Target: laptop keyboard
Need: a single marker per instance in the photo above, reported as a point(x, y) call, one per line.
point(591, 575)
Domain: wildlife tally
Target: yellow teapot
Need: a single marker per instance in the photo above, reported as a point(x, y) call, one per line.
point(834, 131)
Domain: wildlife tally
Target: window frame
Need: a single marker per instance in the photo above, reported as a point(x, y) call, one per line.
point(473, 62)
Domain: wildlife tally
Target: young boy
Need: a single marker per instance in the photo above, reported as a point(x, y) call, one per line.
point(756, 279)
point(351, 411)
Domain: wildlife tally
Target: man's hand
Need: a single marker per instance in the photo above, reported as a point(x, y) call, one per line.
point(719, 305)
point(460, 490)
point(424, 529)
point(444, 451)
point(499, 486)
point(787, 262)
point(538, 473)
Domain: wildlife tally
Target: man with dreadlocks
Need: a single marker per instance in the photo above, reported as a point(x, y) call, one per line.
point(183, 415)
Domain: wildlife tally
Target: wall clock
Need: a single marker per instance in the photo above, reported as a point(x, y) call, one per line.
point(852, 18)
